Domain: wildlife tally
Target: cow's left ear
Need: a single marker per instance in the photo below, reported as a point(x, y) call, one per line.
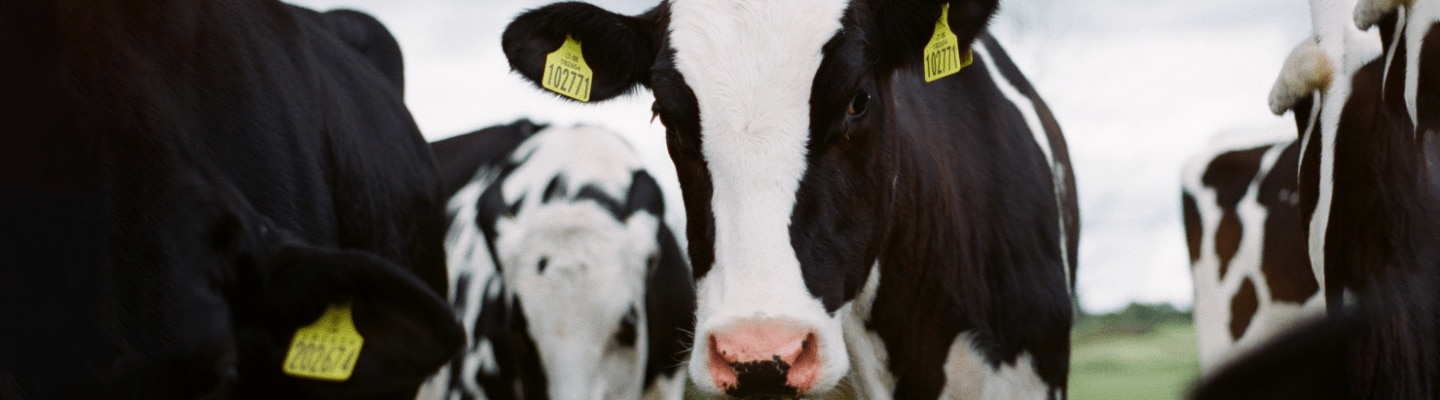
point(906, 26)
point(408, 331)
point(618, 49)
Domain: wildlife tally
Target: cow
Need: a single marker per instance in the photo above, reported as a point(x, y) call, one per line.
point(190, 186)
point(845, 218)
point(1247, 249)
point(1372, 190)
point(565, 274)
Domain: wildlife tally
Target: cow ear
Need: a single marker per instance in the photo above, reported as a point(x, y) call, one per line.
point(408, 331)
point(906, 26)
point(618, 49)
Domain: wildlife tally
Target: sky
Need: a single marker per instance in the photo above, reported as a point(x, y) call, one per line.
point(1138, 87)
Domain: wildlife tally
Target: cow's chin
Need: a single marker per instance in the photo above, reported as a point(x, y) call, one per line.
point(805, 350)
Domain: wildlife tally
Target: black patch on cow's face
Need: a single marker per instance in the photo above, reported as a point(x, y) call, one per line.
point(679, 110)
point(1230, 174)
point(837, 225)
point(1193, 228)
point(1286, 259)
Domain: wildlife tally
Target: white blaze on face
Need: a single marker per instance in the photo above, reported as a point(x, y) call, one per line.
point(595, 266)
point(751, 65)
point(594, 273)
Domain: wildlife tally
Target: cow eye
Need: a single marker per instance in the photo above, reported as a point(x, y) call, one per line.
point(859, 104)
point(625, 334)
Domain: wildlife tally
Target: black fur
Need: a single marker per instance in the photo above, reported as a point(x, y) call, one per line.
point(669, 294)
point(197, 181)
point(968, 239)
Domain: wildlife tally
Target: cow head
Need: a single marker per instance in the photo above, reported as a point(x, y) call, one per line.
point(228, 288)
point(776, 115)
point(575, 228)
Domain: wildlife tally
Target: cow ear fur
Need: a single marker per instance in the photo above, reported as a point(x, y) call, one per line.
point(906, 26)
point(409, 331)
point(619, 49)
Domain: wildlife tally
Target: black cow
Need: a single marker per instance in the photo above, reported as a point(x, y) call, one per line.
point(565, 273)
point(845, 217)
point(186, 184)
point(1369, 193)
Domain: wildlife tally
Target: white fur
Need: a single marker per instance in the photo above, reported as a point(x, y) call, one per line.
point(1030, 113)
point(969, 376)
point(1306, 70)
point(1368, 12)
point(1349, 49)
point(1213, 293)
point(1419, 16)
point(870, 375)
point(596, 266)
point(751, 64)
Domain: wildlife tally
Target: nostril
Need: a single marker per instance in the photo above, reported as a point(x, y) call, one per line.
point(764, 359)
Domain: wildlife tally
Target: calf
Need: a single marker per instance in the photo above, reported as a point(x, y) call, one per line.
point(190, 185)
point(565, 274)
point(1373, 187)
point(1247, 248)
point(858, 206)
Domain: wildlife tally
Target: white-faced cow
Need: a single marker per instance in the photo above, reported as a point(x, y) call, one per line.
point(188, 184)
point(1372, 189)
point(1247, 247)
point(565, 273)
point(847, 219)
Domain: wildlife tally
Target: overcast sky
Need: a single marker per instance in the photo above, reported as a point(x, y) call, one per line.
point(1137, 85)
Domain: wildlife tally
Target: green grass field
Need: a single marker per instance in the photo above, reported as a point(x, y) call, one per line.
point(1143, 352)
point(1119, 365)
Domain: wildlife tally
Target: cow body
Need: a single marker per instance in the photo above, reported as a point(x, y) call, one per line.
point(565, 275)
point(1370, 198)
point(1247, 247)
point(216, 174)
point(846, 219)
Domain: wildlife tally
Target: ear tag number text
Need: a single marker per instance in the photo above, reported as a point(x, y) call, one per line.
point(942, 54)
point(567, 73)
point(327, 349)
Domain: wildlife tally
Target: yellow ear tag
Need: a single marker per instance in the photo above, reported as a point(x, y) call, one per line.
point(326, 349)
point(566, 72)
point(942, 55)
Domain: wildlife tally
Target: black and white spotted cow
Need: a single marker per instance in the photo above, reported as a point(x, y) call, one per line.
point(591, 298)
point(184, 185)
point(1247, 247)
point(1370, 195)
point(846, 219)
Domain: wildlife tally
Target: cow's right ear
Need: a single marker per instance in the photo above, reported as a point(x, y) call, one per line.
point(618, 49)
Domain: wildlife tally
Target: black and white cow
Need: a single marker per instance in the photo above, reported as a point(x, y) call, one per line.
point(185, 184)
point(1373, 229)
point(591, 298)
point(1247, 247)
point(847, 219)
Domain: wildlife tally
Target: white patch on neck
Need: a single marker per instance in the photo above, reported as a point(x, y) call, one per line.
point(870, 375)
point(968, 375)
point(1349, 48)
point(1030, 113)
point(1420, 17)
point(751, 64)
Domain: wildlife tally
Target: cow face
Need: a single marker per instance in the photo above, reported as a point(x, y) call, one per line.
point(575, 247)
point(776, 116)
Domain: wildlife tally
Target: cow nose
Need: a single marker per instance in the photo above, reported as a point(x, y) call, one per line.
point(764, 359)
